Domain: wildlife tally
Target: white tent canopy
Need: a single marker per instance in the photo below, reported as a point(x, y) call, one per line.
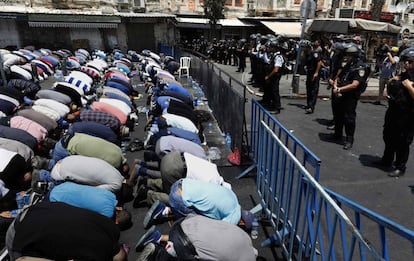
point(288, 29)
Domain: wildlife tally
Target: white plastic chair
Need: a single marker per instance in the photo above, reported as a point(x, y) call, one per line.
point(184, 66)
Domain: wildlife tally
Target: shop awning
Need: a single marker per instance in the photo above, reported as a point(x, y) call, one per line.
point(201, 23)
point(288, 29)
point(343, 26)
point(233, 23)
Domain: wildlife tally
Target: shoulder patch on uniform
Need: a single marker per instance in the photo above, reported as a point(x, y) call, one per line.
point(361, 72)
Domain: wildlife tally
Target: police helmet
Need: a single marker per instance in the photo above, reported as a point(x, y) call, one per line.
point(274, 44)
point(338, 46)
point(305, 43)
point(263, 39)
point(284, 46)
point(253, 36)
point(281, 38)
point(352, 50)
point(407, 54)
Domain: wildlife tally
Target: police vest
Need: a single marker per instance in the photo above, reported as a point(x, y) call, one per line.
point(358, 71)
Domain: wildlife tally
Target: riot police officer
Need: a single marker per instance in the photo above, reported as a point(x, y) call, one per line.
point(399, 118)
point(335, 69)
point(347, 88)
point(313, 64)
point(241, 53)
point(273, 75)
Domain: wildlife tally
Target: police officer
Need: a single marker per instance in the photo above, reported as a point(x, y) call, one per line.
point(313, 64)
point(347, 89)
point(273, 75)
point(241, 53)
point(335, 69)
point(261, 64)
point(399, 118)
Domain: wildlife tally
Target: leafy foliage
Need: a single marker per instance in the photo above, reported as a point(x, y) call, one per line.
point(214, 10)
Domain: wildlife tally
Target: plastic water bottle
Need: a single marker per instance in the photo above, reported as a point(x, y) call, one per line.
point(254, 233)
point(228, 140)
point(19, 200)
point(15, 212)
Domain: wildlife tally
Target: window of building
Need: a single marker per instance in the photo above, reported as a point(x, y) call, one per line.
point(364, 4)
point(348, 3)
point(228, 2)
point(239, 3)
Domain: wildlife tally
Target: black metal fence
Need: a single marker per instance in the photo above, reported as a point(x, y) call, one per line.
point(227, 104)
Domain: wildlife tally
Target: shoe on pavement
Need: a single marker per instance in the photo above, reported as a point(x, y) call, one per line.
point(331, 127)
point(147, 252)
point(347, 145)
point(142, 180)
point(141, 196)
point(396, 173)
point(153, 235)
point(154, 213)
point(274, 111)
point(309, 111)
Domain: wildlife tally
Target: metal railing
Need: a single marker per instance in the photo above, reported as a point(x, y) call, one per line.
point(258, 113)
point(227, 104)
point(395, 241)
point(304, 218)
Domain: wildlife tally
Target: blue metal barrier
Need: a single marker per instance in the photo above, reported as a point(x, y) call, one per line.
point(166, 50)
point(304, 218)
point(308, 159)
point(380, 230)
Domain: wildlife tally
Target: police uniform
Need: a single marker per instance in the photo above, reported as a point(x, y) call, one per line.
point(313, 58)
point(398, 125)
point(347, 101)
point(273, 81)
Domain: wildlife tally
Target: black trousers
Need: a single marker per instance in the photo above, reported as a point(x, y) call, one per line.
point(346, 115)
point(397, 135)
point(312, 90)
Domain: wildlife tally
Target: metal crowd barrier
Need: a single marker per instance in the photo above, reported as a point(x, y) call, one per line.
point(223, 99)
point(395, 241)
point(308, 159)
point(306, 221)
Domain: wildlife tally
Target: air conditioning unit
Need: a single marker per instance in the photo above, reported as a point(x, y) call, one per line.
point(344, 13)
